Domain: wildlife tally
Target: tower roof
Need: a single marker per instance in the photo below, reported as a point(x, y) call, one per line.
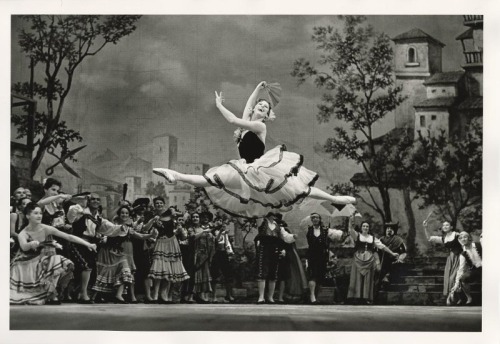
point(445, 78)
point(165, 134)
point(416, 34)
point(471, 103)
point(436, 103)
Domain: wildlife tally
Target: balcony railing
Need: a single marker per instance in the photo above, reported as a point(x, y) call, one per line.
point(473, 57)
point(471, 19)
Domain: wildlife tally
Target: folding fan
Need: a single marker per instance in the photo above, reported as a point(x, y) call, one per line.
point(274, 91)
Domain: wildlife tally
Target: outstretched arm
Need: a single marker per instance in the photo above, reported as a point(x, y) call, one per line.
point(431, 238)
point(255, 126)
point(251, 101)
point(53, 231)
point(50, 199)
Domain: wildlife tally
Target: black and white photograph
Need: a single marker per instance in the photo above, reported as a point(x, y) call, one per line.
point(251, 171)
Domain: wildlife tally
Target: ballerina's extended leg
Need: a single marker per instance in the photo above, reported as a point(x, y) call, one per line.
point(173, 176)
point(322, 195)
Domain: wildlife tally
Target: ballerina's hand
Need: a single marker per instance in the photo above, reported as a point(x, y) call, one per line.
point(262, 84)
point(218, 98)
point(92, 247)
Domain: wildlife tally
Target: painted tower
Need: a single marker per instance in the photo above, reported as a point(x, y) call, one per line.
point(417, 56)
point(472, 44)
point(164, 153)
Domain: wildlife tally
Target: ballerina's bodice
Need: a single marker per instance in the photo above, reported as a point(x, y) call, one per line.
point(251, 147)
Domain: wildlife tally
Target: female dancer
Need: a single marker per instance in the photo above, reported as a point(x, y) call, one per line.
point(123, 218)
point(365, 263)
point(449, 239)
point(258, 182)
point(37, 270)
point(53, 215)
point(166, 267)
point(17, 223)
point(203, 251)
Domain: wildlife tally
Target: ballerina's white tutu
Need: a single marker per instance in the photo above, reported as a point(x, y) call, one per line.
point(273, 182)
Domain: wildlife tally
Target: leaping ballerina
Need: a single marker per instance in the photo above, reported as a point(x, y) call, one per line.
point(259, 182)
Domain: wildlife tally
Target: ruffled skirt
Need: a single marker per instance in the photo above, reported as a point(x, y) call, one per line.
point(128, 250)
point(33, 279)
point(113, 270)
point(167, 261)
point(275, 181)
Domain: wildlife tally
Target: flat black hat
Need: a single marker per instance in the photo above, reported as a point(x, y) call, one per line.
point(140, 203)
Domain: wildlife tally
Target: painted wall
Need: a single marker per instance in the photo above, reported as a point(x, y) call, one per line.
point(435, 58)
point(414, 90)
point(433, 121)
point(441, 91)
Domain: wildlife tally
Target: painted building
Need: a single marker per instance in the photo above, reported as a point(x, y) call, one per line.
point(164, 153)
point(437, 101)
point(179, 198)
point(417, 56)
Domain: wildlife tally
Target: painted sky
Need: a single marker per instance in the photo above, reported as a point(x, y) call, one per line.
point(162, 78)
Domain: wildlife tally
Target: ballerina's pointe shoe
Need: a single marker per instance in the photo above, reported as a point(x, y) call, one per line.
point(169, 175)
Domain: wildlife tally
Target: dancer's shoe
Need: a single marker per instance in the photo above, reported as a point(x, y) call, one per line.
point(169, 175)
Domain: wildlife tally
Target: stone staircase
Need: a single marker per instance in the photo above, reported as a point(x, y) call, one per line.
point(416, 282)
point(420, 282)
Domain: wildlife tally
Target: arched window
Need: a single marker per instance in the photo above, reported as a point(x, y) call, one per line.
point(412, 55)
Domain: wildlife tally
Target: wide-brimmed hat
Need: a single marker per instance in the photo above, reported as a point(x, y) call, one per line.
point(392, 225)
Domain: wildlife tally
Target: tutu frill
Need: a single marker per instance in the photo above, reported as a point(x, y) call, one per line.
point(275, 181)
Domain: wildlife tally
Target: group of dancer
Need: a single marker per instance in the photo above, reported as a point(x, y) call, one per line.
point(259, 186)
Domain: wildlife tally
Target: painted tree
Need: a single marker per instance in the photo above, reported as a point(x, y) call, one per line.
point(55, 47)
point(448, 175)
point(355, 69)
point(156, 190)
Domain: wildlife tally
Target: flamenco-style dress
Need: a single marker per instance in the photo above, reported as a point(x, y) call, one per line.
point(113, 267)
point(128, 246)
point(258, 183)
point(36, 274)
point(167, 257)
